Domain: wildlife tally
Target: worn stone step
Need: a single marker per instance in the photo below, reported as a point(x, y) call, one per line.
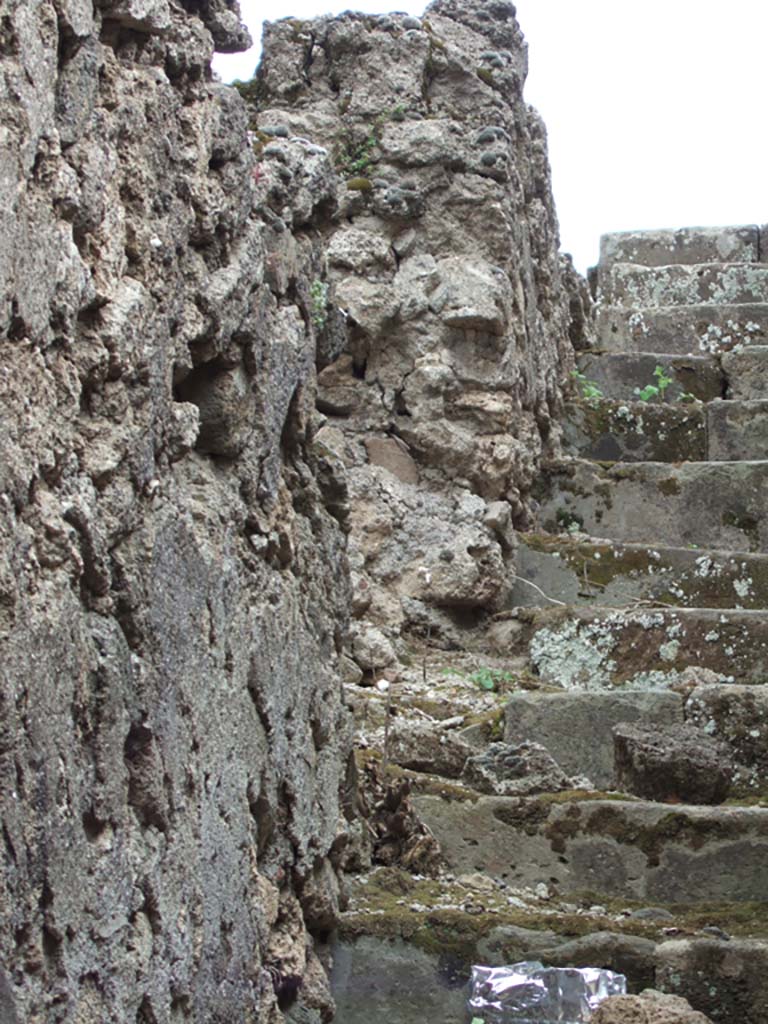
point(734, 244)
point(575, 726)
point(656, 431)
point(708, 504)
point(639, 649)
point(632, 849)
point(627, 284)
point(616, 431)
point(737, 430)
point(617, 374)
point(682, 330)
point(410, 943)
point(746, 372)
point(588, 572)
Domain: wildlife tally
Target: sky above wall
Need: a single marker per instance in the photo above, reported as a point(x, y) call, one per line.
point(656, 110)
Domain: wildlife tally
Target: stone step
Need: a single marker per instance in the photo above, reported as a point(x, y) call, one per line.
point(682, 330)
point(411, 943)
point(576, 727)
point(617, 374)
point(655, 431)
point(736, 430)
point(600, 649)
point(627, 284)
point(628, 849)
point(746, 372)
point(592, 572)
point(734, 244)
point(615, 431)
point(707, 504)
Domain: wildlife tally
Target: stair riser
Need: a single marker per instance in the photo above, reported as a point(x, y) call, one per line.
point(618, 374)
point(709, 504)
point(737, 244)
point(666, 432)
point(682, 330)
point(633, 286)
point(586, 650)
point(635, 432)
point(610, 576)
point(746, 373)
point(640, 851)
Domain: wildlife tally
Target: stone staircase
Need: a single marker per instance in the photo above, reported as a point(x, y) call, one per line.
point(638, 619)
point(652, 551)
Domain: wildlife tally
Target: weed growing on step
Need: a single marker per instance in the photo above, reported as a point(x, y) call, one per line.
point(657, 390)
point(590, 391)
point(488, 679)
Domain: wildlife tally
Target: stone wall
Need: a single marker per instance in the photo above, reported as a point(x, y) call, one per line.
point(451, 317)
point(173, 586)
point(179, 484)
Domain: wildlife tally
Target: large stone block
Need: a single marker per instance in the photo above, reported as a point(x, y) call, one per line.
point(576, 727)
point(703, 284)
point(593, 572)
point(737, 430)
point(682, 330)
point(617, 374)
point(661, 248)
point(709, 504)
point(746, 372)
point(671, 764)
point(632, 850)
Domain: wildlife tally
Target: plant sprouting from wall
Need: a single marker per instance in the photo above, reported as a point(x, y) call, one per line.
point(318, 294)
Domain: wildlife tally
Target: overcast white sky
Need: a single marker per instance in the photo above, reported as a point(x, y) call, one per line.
point(656, 109)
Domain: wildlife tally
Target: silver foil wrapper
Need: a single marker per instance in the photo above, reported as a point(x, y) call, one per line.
point(530, 993)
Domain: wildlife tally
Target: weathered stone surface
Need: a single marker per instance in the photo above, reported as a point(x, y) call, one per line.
point(650, 1007)
point(576, 727)
point(518, 769)
point(172, 734)
point(705, 283)
point(634, 850)
point(682, 330)
point(728, 981)
point(737, 430)
point(737, 715)
point(582, 572)
point(459, 316)
point(371, 976)
point(614, 431)
point(600, 649)
point(746, 372)
point(671, 764)
point(424, 748)
point(717, 505)
point(737, 244)
point(617, 374)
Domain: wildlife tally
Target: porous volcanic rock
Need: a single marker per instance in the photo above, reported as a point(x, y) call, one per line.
point(508, 769)
point(458, 315)
point(650, 1007)
point(173, 582)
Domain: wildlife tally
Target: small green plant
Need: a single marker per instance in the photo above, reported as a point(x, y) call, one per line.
point(488, 679)
point(318, 293)
point(569, 521)
point(657, 390)
point(356, 159)
point(590, 391)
